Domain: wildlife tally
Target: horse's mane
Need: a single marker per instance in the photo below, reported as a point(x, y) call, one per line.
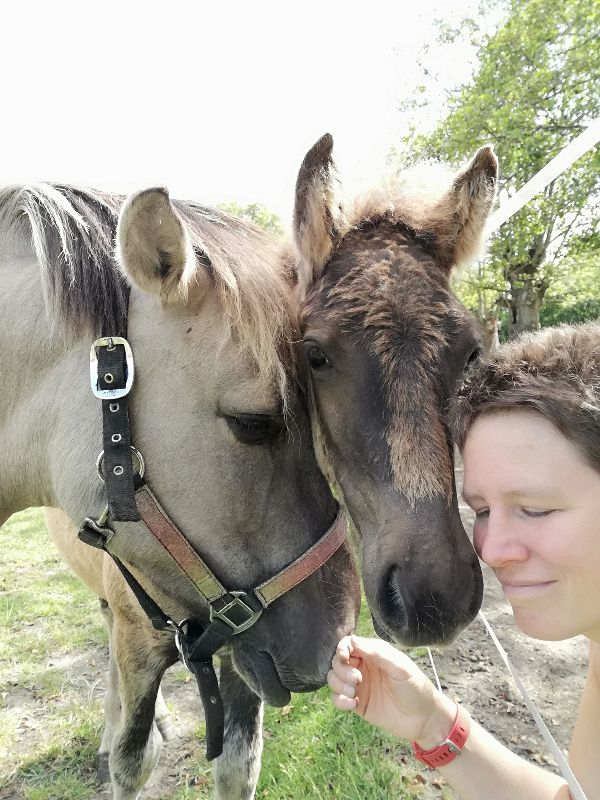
point(72, 232)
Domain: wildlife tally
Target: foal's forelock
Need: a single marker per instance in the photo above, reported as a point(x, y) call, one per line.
point(72, 233)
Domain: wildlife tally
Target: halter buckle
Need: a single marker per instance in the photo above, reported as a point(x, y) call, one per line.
point(110, 342)
point(235, 610)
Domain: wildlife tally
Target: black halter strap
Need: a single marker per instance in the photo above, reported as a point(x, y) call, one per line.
point(114, 376)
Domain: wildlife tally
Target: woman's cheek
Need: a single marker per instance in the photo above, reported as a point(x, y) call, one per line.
point(478, 537)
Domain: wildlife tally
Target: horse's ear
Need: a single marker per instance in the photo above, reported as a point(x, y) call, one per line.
point(154, 248)
point(470, 201)
point(314, 225)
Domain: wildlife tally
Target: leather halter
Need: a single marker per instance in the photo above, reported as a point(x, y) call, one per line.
point(131, 499)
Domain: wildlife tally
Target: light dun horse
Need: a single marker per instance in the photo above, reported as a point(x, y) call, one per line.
point(218, 416)
point(386, 343)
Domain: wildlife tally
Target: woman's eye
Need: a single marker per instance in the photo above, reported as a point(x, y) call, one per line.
point(482, 513)
point(316, 356)
point(254, 428)
point(533, 512)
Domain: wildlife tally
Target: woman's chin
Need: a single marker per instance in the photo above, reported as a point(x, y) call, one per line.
point(541, 626)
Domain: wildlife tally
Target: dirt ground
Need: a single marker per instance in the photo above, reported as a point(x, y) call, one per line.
point(470, 671)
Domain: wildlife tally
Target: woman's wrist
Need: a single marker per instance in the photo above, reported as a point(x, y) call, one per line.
point(438, 724)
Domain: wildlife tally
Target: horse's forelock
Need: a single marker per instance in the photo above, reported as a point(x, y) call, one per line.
point(252, 279)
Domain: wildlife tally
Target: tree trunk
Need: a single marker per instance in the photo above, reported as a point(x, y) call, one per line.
point(489, 330)
point(525, 303)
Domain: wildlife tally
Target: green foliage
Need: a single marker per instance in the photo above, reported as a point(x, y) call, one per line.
point(574, 296)
point(256, 213)
point(534, 90)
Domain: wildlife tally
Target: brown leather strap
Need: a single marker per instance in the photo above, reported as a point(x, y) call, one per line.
point(305, 565)
point(201, 576)
point(177, 545)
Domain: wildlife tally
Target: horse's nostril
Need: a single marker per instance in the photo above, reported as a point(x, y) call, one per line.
point(421, 615)
point(393, 600)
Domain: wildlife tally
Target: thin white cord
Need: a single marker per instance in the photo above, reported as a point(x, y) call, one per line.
point(576, 791)
point(437, 680)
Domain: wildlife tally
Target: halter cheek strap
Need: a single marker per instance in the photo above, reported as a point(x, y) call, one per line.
point(130, 499)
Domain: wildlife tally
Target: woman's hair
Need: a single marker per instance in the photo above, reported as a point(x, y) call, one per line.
point(555, 372)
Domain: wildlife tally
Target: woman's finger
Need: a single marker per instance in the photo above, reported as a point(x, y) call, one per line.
point(343, 649)
point(383, 655)
point(345, 672)
point(344, 703)
point(339, 686)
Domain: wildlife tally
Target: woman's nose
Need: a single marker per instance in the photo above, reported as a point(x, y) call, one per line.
point(497, 541)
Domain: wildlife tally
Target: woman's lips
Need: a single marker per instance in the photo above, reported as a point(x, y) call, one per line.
point(523, 589)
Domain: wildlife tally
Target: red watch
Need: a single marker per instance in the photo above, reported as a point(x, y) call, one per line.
point(451, 747)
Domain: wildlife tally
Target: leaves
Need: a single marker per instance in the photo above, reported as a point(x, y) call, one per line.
point(534, 90)
point(256, 213)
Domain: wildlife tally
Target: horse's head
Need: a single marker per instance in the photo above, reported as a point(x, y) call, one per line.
point(219, 415)
point(386, 343)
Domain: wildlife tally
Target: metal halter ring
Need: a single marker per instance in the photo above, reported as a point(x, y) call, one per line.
point(139, 469)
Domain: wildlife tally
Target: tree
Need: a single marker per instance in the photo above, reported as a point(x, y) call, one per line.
point(256, 213)
point(535, 88)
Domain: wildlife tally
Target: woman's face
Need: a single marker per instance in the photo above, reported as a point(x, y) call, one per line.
point(537, 506)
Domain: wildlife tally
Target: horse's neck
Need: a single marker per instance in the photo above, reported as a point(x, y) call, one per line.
point(43, 402)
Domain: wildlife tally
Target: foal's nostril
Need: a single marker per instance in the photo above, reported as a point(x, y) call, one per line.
point(393, 600)
point(420, 617)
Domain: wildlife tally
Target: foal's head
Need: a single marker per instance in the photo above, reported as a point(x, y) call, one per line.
point(386, 342)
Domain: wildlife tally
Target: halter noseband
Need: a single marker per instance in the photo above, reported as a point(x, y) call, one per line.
point(130, 499)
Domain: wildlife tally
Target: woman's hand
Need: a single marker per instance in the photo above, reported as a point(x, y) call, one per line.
point(386, 687)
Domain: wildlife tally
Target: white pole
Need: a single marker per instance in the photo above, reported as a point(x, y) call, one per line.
point(567, 156)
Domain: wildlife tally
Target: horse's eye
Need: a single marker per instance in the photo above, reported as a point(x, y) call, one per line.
point(316, 357)
point(254, 428)
point(474, 356)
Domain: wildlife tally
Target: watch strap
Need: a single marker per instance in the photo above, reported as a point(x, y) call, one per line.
point(452, 745)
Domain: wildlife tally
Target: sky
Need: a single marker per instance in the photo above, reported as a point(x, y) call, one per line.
point(217, 101)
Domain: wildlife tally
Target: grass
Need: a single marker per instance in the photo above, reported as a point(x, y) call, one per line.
point(52, 638)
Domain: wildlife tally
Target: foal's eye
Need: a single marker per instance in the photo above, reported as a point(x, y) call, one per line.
point(474, 355)
point(254, 428)
point(316, 356)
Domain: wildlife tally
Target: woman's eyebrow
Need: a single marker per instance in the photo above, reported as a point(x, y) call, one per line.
point(524, 491)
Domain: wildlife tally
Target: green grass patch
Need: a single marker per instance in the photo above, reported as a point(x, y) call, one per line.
point(314, 751)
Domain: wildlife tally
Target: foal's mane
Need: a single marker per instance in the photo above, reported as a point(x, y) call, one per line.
point(419, 201)
point(72, 232)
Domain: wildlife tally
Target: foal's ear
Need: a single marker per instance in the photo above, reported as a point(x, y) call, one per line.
point(471, 198)
point(154, 248)
point(314, 225)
